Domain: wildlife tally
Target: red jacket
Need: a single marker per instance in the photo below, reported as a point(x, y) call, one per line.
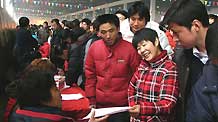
point(108, 72)
point(45, 50)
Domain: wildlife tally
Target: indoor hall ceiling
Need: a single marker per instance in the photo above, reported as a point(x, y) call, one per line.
point(53, 8)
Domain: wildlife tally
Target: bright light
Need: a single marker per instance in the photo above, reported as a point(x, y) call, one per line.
point(10, 9)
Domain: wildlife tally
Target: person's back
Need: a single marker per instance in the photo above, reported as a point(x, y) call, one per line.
point(26, 47)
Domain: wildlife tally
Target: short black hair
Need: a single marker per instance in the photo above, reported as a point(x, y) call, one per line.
point(211, 41)
point(24, 22)
point(95, 25)
point(34, 88)
point(212, 16)
point(140, 8)
point(108, 18)
point(183, 12)
point(123, 12)
point(146, 34)
point(56, 21)
point(46, 22)
point(87, 21)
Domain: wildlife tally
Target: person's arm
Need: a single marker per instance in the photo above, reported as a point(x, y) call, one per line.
point(168, 95)
point(132, 90)
point(91, 79)
point(132, 98)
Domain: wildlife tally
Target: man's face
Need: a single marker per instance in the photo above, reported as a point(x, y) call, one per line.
point(109, 33)
point(45, 25)
point(54, 25)
point(84, 25)
point(186, 37)
point(136, 23)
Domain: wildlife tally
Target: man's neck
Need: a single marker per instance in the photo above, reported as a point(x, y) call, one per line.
point(202, 37)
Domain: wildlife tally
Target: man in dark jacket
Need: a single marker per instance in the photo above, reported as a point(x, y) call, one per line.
point(57, 44)
point(26, 46)
point(191, 32)
point(202, 105)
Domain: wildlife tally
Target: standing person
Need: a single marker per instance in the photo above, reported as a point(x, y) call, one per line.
point(122, 15)
point(85, 24)
point(25, 46)
point(57, 44)
point(190, 31)
point(109, 66)
point(202, 105)
point(139, 17)
point(153, 90)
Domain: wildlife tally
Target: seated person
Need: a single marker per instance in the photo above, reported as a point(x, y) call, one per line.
point(38, 97)
point(153, 89)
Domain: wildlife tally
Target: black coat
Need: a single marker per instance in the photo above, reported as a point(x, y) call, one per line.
point(189, 69)
point(26, 48)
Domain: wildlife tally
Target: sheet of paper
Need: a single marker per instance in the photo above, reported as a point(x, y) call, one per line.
point(107, 111)
point(72, 96)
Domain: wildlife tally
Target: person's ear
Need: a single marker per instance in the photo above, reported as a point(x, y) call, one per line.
point(156, 43)
point(196, 25)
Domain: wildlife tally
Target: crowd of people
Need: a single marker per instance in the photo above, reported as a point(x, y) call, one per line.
point(165, 72)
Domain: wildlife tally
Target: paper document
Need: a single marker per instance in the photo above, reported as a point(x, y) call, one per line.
point(72, 96)
point(107, 111)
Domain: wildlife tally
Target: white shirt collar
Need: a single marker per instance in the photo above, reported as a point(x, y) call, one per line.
point(200, 55)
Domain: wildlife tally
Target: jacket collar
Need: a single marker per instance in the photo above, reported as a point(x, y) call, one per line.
point(159, 59)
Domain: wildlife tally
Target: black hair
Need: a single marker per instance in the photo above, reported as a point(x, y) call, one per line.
point(108, 18)
point(75, 23)
point(46, 22)
point(95, 25)
point(212, 16)
point(56, 21)
point(141, 9)
point(146, 34)
point(183, 12)
point(87, 21)
point(64, 22)
point(123, 12)
point(24, 22)
point(34, 88)
point(211, 41)
point(76, 33)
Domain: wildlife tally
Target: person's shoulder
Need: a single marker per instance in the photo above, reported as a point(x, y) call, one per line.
point(169, 64)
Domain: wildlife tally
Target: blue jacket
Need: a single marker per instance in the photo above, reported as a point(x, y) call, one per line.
point(202, 105)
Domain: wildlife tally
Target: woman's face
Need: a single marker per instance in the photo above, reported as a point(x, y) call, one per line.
point(148, 50)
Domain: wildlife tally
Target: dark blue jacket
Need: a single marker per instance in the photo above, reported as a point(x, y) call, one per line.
point(38, 114)
point(203, 103)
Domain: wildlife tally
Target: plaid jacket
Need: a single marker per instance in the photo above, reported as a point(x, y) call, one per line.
point(154, 87)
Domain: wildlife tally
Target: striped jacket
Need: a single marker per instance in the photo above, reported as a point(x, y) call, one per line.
point(154, 87)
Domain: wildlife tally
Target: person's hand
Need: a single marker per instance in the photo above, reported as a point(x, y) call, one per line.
point(92, 106)
point(93, 119)
point(134, 111)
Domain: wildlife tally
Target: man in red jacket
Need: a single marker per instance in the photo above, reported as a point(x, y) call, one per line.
point(109, 67)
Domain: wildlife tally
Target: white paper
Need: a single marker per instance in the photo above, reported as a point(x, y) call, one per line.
point(72, 96)
point(107, 111)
